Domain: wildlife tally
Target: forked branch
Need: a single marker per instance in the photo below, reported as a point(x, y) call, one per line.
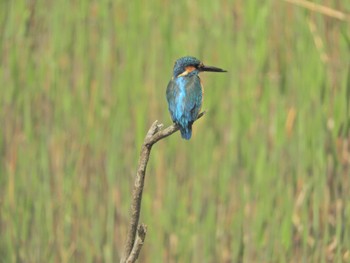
point(137, 232)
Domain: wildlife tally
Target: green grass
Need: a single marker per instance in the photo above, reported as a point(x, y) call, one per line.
point(265, 176)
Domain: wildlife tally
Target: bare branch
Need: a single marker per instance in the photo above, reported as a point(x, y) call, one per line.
point(136, 233)
point(166, 132)
point(141, 234)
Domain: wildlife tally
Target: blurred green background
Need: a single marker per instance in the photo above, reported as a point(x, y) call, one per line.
point(265, 177)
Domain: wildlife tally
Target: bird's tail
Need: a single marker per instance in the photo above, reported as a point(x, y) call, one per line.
point(186, 132)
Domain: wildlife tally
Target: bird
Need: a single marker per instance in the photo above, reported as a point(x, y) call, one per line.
point(184, 92)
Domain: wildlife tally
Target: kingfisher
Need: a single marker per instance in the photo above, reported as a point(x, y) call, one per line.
point(185, 92)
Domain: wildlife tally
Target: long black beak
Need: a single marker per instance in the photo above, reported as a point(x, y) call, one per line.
point(210, 69)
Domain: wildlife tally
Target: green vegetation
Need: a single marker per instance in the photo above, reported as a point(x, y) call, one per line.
point(265, 177)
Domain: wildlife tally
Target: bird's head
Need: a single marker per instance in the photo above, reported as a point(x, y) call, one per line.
point(191, 65)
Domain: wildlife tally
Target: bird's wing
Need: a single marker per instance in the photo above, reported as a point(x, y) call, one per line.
point(193, 98)
point(171, 93)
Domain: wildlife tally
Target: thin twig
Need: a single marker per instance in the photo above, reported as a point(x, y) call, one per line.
point(324, 10)
point(136, 233)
